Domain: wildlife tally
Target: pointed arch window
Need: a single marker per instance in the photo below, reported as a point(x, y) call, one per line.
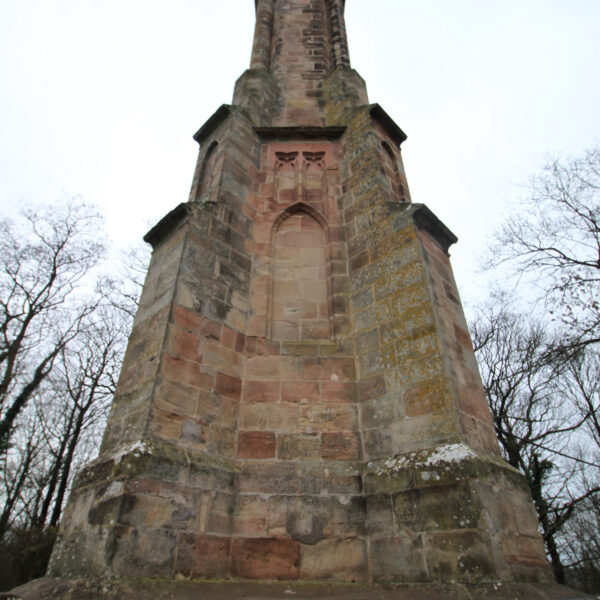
point(299, 298)
point(392, 173)
point(208, 174)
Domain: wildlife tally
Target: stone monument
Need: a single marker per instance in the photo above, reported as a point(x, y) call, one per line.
point(300, 397)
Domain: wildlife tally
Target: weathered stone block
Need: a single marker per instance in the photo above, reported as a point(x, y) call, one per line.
point(294, 446)
point(327, 417)
point(300, 391)
point(141, 552)
point(387, 567)
point(340, 446)
point(256, 444)
point(343, 560)
point(203, 556)
point(265, 558)
point(261, 391)
point(468, 554)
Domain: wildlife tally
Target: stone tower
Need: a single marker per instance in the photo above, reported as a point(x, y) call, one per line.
point(300, 398)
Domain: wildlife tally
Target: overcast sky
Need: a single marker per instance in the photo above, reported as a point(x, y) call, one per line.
point(101, 99)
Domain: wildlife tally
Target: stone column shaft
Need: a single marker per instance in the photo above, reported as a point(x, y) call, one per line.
point(263, 31)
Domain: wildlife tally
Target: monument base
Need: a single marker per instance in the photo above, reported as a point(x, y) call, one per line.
point(437, 515)
point(149, 589)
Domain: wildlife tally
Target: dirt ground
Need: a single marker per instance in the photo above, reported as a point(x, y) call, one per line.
point(159, 589)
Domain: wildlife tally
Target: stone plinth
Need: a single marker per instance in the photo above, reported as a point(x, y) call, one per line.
point(148, 589)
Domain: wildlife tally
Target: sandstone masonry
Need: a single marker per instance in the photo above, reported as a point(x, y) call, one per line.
point(300, 398)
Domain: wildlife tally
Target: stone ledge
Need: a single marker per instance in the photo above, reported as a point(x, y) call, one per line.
point(139, 458)
point(424, 219)
point(160, 589)
point(332, 132)
point(436, 466)
point(168, 223)
point(212, 123)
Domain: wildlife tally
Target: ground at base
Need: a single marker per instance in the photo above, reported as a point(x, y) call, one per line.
point(161, 589)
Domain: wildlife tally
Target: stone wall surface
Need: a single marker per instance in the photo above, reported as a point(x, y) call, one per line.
point(299, 398)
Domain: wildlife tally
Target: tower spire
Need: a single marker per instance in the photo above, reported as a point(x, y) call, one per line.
point(324, 44)
point(299, 44)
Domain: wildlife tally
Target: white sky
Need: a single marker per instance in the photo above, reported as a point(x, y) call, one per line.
point(101, 99)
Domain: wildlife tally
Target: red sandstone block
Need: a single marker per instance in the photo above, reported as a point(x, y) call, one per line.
point(315, 330)
point(262, 367)
point(201, 556)
point(338, 391)
point(261, 284)
point(256, 444)
point(221, 358)
point(262, 232)
point(299, 391)
point(228, 385)
point(176, 396)
point(463, 337)
point(287, 195)
point(240, 342)
point(184, 429)
point(307, 237)
point(183, 343)
point(183, 371)
point(260, 391)
point(373, 387)
point(433, 247)
point(228, 337)
point(265, 558)
point(289, 368)
point(471, 400)
point(251, 345)
point(210, 329)
point(328, 369)
point(187, 319)
point(263, 347)
point(341, 445)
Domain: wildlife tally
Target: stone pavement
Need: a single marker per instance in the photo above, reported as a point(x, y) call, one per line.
point(160, 589)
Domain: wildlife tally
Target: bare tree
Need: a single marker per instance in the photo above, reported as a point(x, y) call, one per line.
point(64, 324)
point(89, 375)
point(539, 424)
point(581, 548)
point(126, 286)
point(16, 471)
point(552, 240)
point(43, 263)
